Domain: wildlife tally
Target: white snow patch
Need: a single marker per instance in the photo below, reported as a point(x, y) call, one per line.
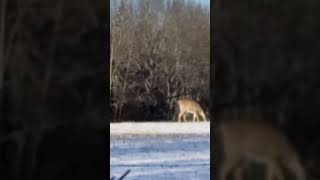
point(158, 128)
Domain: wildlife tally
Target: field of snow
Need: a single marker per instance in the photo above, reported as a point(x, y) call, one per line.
point(161, 150)
point(159, 128)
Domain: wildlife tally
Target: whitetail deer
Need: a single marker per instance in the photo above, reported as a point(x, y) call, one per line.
point(242, 141)
point(190, 106)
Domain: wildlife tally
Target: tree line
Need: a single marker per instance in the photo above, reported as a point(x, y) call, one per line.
point(160, 51)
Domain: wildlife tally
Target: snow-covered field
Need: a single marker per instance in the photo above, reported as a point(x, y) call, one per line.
point(158, 128)
point(161, 150)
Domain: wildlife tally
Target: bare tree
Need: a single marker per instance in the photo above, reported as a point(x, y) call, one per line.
point(159, 51)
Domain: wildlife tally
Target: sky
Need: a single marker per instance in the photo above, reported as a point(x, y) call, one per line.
point(204, 2)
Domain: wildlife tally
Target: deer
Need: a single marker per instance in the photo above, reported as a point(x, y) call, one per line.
point(239, 142)
point(190, 106)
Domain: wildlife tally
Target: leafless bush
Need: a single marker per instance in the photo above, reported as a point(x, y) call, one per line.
point(160, 50)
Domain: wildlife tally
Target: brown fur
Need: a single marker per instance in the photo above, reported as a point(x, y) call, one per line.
point(242, 141)
point(190, 106)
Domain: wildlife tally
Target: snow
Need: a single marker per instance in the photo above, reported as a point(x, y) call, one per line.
point(162, 150)
point(156, 128)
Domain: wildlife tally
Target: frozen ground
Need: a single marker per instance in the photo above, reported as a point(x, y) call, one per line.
point(154, 151)
point(158, 128)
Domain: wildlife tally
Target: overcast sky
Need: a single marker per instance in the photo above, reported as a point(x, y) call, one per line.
point(205, 2)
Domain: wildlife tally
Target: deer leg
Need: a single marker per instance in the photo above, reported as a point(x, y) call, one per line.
point(185, 117)
point(238, 173)
point(239, 169)
point(203, 116)
point(225, 169)
point(180, 116)
point(196, 117)
point(273, 170)
point(295, 167)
